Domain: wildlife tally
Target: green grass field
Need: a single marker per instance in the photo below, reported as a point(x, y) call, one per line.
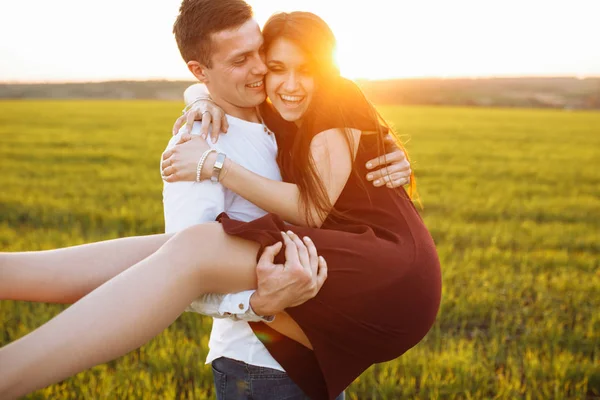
point(512, 198)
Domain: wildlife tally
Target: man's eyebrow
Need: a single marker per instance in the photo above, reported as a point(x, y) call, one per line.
point(241, 54)
point(245, 52)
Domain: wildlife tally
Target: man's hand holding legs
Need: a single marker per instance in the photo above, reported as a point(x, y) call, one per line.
point(290, 284)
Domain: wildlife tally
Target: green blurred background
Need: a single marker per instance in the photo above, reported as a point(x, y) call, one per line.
point(511, 197)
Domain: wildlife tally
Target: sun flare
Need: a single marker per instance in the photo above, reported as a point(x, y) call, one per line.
point(466, 38)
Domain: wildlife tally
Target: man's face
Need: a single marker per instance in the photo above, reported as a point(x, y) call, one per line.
point(237, 73)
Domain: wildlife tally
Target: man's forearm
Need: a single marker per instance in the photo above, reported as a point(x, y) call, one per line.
point(259, 308)
point(258, 305)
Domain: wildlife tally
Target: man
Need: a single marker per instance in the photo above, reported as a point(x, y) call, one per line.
point(222, 46)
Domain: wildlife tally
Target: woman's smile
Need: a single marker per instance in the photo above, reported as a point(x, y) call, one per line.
point(291, 101)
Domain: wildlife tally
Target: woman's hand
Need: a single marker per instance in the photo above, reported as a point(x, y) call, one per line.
point(289, 285)
point(180, 162)
point(395, 171)
point(207, 111)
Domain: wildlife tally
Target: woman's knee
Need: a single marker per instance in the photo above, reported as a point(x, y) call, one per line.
point(205, 251)
point(195, 235)
point(185, 248)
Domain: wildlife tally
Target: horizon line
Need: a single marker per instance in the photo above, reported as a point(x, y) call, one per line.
point(432, 77)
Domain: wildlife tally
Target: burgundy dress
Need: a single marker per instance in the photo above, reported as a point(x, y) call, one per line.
point(383, 288)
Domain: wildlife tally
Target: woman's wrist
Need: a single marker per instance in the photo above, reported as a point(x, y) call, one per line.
point(208, 166)
point(227, 165)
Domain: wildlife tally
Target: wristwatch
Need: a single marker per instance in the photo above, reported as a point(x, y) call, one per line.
point(218, 167)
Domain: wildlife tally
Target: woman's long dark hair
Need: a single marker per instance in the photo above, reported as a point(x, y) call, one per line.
point(337, 103)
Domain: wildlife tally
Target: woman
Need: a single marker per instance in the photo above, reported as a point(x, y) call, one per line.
point(383, 287)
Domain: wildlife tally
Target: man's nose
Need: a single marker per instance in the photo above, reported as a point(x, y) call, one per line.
point(259, 67)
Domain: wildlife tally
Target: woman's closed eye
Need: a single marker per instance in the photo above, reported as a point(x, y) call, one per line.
point(305, 71)
point(276, 68)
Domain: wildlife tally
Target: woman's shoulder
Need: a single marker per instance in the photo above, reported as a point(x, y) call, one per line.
point(334, 134)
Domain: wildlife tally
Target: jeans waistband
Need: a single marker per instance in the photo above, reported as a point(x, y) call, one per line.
point(236, 367)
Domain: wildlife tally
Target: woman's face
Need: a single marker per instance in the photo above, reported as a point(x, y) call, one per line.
point(289, 82)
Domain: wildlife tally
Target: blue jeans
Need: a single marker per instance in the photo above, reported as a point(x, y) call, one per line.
point(236, 380)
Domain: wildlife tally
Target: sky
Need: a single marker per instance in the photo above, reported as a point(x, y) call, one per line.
point(84, 40)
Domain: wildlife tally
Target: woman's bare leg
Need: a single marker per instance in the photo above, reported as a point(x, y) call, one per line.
point(66, 275)
point(130, 309)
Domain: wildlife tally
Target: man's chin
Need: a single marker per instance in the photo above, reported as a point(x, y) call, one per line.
point(256, 98)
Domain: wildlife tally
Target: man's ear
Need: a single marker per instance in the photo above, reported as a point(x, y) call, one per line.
point(198, 70)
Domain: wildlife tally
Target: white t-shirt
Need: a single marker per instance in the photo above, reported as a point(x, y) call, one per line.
point(190, 203)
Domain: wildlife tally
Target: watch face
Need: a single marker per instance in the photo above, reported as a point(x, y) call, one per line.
point(217, 167)
point(220, 160)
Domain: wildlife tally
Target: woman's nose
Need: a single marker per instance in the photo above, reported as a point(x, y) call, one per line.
point(291, 83)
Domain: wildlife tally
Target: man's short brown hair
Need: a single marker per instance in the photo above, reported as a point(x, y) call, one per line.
point(199, 19)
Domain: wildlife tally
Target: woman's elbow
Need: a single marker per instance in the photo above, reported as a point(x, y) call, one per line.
point(308, 221)
point(193, 92)
point(313, 220)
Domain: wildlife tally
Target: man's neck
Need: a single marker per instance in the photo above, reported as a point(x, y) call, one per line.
point(246, 113)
